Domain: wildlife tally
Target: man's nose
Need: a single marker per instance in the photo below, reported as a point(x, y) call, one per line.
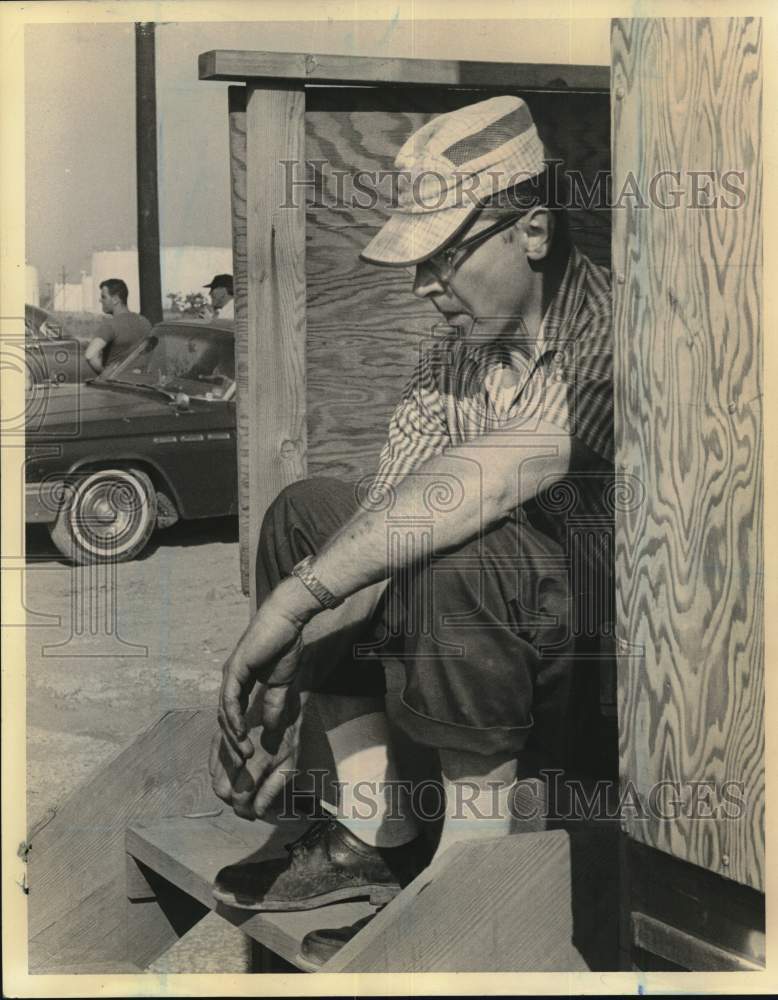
point(426, 282)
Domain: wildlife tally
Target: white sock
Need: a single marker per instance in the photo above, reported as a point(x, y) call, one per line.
point(475, 811)
point(373, 805)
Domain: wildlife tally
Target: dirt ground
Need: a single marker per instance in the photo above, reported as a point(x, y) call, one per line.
point(107, 656)
point(178, 612)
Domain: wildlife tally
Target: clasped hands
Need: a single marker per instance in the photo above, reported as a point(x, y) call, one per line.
point(260, 706)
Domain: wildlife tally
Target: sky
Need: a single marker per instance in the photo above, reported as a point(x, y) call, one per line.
point(80, 116)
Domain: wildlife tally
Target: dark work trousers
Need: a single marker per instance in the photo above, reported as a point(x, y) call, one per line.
point(491, 648)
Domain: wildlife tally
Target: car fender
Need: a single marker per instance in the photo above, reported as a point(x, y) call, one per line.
point(124, 459)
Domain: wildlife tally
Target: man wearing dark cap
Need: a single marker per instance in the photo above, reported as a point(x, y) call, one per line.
point(221, 296)
point(502, 439)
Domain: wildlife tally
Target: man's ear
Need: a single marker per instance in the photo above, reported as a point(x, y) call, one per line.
point(538, 228)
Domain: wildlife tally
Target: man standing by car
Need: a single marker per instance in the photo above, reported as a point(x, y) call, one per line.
point(222, 306)
point(119, 332)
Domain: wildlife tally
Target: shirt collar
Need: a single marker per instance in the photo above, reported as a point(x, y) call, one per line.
point(564, 308)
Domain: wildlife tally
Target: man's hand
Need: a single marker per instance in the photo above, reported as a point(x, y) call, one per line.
point(268, 654)
point(257, 744)
point(250, 786)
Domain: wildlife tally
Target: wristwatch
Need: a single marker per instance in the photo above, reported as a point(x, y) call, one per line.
point(305, 575)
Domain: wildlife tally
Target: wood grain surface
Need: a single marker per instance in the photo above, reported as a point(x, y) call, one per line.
point(245, 64)
point(685, 949)
point(190, 853)
point(275, 240)
point(687, 97)
point(76, 875)
point(533, 902)
point(237, 139)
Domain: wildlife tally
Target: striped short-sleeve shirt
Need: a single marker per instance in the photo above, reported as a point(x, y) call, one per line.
point(462, 390)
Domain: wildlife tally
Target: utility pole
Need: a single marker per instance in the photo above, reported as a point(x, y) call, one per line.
point(146, 157)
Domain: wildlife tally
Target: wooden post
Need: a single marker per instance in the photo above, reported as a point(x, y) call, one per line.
point(275, 241)
point(689, 558)
point(237, 133)
point(146, 155)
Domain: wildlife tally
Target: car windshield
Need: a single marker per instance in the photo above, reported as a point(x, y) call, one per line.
point(200, 363)
point(40, 325)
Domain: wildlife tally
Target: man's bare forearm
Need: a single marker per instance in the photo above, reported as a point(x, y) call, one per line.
point(94, 355)
point(490, 481)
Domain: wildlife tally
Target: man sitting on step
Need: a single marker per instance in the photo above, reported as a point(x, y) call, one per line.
point(455, 570)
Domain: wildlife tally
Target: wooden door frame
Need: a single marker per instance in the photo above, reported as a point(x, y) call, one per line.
point(267, 127)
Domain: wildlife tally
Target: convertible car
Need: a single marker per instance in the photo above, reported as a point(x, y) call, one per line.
point(52, 354)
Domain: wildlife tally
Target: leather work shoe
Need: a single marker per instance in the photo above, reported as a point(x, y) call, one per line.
point(328, 864)
point(318, 947)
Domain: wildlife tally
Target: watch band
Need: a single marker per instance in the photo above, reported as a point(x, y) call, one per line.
point(305, 575)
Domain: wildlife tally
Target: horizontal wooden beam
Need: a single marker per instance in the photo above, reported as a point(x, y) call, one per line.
point(686, 950)
point(237, 64)
point(727, 917)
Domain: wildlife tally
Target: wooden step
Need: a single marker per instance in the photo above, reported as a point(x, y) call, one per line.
point(76, 861)
point(529, 902)
point(188, 853)
point(77, 899)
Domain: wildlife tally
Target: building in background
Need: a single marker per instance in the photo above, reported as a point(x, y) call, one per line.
point(69, 296)
point(185, 270)
point(32, 294)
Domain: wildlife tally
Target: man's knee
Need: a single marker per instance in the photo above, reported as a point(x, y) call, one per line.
point(297, 523)
point(301, 493)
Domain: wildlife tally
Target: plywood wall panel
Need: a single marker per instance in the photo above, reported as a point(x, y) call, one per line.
point(689, 560)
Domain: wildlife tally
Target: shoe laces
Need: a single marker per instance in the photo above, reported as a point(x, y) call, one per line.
point(309, 838)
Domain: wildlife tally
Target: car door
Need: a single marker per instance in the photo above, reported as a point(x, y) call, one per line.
point(199, 456)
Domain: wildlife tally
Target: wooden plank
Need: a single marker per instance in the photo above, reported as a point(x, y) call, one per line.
point(99, 969)
point(209, 946)
point(189, 855)
point(689, 559)
point(237, 139)
point(275, 241)
point(77, 862)
point(684, 949)
point(138, 887)
point(533, 902)
point(234, 64)
point(155, 924)
point(728, 916)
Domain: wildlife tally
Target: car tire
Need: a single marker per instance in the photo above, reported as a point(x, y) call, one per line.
point(109, 518)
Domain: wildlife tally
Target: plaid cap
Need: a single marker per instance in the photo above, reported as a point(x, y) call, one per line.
point(448, 169)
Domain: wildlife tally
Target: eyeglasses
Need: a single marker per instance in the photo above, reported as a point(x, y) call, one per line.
point(444, 264)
